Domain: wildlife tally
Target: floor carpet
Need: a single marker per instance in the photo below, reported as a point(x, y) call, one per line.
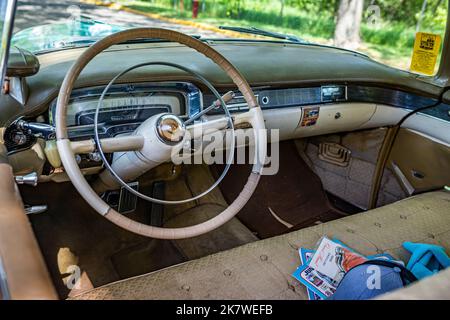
point(105, 252)
point(295, 195)
point(71, 233)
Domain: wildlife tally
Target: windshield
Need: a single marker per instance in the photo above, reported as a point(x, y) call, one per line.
point(385, 30)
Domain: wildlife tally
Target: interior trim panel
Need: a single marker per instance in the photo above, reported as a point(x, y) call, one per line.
point(424, 162)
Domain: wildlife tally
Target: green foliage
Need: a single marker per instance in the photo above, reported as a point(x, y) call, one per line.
point(394, 35)
point(316, 18)
point(436, 19)
point(408, 11)
point(398, 26)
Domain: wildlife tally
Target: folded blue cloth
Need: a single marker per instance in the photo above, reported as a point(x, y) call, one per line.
point(426, 259)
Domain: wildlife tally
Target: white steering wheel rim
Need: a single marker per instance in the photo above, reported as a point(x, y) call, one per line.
point(76, 176)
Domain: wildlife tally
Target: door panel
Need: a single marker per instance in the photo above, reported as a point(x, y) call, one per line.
point(420, 162)
point(23, 273)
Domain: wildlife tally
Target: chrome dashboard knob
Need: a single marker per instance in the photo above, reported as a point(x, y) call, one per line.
point(30, 179)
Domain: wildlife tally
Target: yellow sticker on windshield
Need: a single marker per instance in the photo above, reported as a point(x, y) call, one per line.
point(426, 52)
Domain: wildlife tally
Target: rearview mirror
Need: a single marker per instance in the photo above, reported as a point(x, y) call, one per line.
point(21, 63)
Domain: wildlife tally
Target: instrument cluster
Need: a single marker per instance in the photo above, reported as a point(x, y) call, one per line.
point(126, 106)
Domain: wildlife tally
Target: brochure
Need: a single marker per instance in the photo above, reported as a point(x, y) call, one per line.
point(335, 259)
point(305, 256)
point(317, 283)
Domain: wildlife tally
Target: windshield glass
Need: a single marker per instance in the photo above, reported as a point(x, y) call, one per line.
point(385, 30)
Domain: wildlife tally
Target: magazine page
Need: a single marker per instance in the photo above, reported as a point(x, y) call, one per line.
point(305, 256)
point(318, 285)
point(334, 260)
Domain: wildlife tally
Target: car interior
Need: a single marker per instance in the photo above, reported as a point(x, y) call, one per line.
point(360, 151)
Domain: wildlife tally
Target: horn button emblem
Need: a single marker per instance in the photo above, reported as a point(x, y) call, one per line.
point(170, 129)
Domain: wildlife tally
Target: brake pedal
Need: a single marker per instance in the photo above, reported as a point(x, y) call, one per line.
point(128, 200)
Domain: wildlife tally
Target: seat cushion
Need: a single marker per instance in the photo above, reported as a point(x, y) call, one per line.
point(262, 269)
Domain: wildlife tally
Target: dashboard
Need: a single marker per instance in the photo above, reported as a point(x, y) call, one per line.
point(296, 112)
point(326, 91)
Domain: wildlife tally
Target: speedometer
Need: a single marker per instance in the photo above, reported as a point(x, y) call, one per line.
point(126, 106)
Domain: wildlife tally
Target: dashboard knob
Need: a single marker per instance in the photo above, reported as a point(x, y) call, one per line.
point(95, 156)
point(30, 179)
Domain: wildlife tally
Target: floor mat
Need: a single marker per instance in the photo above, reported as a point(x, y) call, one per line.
point(104, 251)
point(71, 233)
point(139, 259)
point(294, 196)
point(194, 180)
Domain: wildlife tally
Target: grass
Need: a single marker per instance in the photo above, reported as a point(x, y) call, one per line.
point(390, 43)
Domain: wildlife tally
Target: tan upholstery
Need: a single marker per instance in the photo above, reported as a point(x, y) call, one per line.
point(26, 273)
point(262, 269)
point(432, 288)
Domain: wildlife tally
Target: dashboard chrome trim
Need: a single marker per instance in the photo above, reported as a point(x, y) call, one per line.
point(298, 97)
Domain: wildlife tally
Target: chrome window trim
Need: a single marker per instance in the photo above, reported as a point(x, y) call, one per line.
point(6, 37)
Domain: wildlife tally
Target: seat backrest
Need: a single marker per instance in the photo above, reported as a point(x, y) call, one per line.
point(436, 287)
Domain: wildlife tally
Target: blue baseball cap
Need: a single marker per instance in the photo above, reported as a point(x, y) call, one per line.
point(367, 281)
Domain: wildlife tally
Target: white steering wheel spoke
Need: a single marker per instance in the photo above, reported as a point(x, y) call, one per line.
point(198, 130)
point(109, 145)
point(211, 125)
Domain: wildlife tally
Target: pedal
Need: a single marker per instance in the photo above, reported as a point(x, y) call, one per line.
point(35, 209)
point(111, 198)
point(335, 154)
point(128, 200)
point(156, 215)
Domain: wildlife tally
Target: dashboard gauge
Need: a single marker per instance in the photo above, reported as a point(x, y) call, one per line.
point(125, 107)
point(122, 109)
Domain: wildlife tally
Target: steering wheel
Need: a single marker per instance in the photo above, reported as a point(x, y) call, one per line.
point(152, 141)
